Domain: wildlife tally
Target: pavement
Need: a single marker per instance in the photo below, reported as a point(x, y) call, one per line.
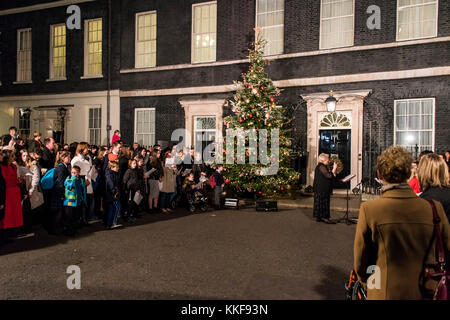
point(223, 254)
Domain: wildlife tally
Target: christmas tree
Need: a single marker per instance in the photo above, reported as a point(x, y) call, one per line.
point(256, 110)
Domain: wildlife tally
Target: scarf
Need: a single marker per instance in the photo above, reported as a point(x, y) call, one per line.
point(392, 186)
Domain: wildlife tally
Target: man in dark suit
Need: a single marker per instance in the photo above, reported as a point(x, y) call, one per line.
point(49, 155)
point(12, 135)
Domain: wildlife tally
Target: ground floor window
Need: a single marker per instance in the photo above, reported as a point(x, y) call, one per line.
point(24, 123)
point(414, 124)
point(95, 125)
point(144, 127)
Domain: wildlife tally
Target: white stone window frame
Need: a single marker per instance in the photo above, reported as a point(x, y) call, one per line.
point(21, 73)
point(417, 5)
point(321, 28)
point(52, 46)
point(98, 130)
point(136, 42)
point(193, 61)
point(420, 130)
point(144, 133)
point(257, 14)
point(87, 75)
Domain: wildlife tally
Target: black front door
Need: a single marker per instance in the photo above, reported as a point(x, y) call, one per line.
point(203, 140)
point(337, 143)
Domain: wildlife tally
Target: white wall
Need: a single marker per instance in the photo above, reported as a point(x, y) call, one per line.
point(76, 119)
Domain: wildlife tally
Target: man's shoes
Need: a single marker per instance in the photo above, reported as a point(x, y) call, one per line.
point(318, 220)
point(116, 226)
point(328, 221)
point(93, 221)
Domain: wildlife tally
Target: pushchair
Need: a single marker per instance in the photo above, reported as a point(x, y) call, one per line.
point(354, 289)
point(196, 200)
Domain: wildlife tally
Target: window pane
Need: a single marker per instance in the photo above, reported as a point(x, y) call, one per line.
point(337, 23)
point(205, 25)
point(416, 19)
point(416, 118)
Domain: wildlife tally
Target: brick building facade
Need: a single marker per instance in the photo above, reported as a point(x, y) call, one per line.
point(390, 83)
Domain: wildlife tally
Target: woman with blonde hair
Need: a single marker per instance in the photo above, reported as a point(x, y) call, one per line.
point(323, 188)
point(87, 173)
point(434, 180)
point(396, 234)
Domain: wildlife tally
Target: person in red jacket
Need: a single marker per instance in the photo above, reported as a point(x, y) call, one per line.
point(414, 180)
point(116, 137)
point(13, 203)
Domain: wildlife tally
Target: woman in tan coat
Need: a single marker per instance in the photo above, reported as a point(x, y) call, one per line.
point(168, 182)
point(395, 234)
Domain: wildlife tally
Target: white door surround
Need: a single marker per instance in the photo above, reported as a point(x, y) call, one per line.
point(349, 102)
point(202, 107)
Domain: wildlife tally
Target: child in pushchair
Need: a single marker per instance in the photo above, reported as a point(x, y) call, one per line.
point(194, 193)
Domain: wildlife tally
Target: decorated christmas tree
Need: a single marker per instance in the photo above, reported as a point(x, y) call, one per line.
point(256, 110)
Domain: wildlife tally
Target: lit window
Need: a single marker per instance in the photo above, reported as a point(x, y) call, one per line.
point(204, 28)
point(146, 40)
point(270, 17)
point(58, 52)
point(93, 48)
point(337, 24)
point(414, 124)
point(416, 19)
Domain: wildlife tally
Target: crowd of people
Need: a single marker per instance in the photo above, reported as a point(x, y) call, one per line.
point(67, 187)
point(398, 232)
point(427, 182)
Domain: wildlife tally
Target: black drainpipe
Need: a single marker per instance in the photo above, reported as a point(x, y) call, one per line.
point(108, 99)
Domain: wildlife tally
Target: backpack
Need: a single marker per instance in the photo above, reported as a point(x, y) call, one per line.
point(48, 180)
point(212, 181)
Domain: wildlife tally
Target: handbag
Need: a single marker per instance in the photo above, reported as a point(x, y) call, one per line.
point(138, 198)
point(37, 199)
point(439, 273)
point(160, 185)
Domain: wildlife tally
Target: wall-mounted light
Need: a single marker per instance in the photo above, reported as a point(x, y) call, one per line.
point(331, 102)
point(62, 112)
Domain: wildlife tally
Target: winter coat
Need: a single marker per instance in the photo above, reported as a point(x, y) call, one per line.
point(35, 145)
point(87, 170)
point(169, 180)
point(395, 233)
point(13, 203)
point(439, 194)
point(112, 185)
point(48, 159)
point(130, 180)
point(157, 174)
point(75, 192)
point(323, 180)
point(2, 195)
point(59, 190)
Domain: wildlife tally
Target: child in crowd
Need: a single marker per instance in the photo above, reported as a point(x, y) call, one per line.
point(113, 194)
point(189, 185)
point(75, 198)
point(131, 186)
